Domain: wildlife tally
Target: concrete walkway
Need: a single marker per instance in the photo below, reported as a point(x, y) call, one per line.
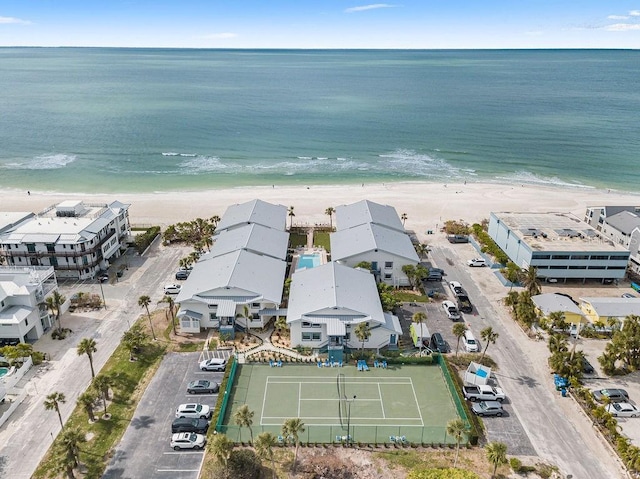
point(268, 346)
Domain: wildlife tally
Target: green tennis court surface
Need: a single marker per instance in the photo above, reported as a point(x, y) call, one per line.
point(410, 402)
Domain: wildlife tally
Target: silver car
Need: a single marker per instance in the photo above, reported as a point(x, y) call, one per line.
point(188, 440)
point(487, 408)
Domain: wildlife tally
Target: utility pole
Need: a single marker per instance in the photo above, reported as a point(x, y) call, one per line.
point(102, 291)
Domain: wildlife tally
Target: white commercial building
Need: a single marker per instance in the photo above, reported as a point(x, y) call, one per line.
point(559, 245)
point(76, 238)
point(621, 224)
point(23, 314)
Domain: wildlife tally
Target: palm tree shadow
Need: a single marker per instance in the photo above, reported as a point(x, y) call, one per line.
point(142, 422)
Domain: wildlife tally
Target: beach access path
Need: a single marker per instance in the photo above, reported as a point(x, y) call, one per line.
point(29, 432)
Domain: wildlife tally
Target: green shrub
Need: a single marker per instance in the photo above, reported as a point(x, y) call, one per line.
point(143, 240)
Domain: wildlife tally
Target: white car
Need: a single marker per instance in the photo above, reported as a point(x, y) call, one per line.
point(194, 410)
point(452, 311)
point(477, 262)
point(213, 364)
point(623, 409)
point(188, 440)
point(456, 288)
point(171, 288)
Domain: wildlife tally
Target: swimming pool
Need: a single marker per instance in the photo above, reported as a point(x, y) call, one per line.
point(308, 261)
point(3, 371)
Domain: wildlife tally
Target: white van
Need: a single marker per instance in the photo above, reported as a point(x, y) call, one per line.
point(470, 343)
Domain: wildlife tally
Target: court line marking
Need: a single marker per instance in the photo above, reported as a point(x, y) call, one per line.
point(264, 401)
point(299, 396)
point(377, 418)
point(415, 397)
point(338, 399)
point(381, 402)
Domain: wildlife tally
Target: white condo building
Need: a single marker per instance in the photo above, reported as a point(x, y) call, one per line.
point(77, 239)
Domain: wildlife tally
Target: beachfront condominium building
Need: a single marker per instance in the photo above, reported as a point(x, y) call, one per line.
point(328, 302)
point(559, 245)
point(241, 280)
point(78, 239)
point(23, 292)
point(373, 233)
point(621, 224)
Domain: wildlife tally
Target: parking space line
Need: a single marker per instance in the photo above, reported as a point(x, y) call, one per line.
point(176, 470)
point(183, 452)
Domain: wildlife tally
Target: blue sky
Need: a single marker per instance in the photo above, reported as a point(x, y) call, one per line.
point(322, 23)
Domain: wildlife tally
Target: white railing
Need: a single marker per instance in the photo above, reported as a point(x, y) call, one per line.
point(14, 402)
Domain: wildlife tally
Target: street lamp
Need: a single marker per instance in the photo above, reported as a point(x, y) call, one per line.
point(102, 291)
point(349, 419)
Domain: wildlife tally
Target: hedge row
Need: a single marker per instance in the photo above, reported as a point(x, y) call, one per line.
point(143, 240)
point(221, 396)
point(488, 245)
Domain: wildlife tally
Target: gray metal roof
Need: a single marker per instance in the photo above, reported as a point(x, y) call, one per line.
point(550, 302)
point(15, 314)
point(614, 307)
point(625, 221)
point(334, 290)
point(371, 237)
point(365, 211)
point(255, 211)
point(612, 210)
point(239, 273)
point(252, 237)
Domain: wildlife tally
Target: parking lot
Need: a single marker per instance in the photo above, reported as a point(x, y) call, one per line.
point(145, 450)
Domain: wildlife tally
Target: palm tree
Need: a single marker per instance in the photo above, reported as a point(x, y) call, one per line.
point(86, 401)
point(133, 339)
point(291, 215)
point(291, 429)
point(497, 455)
point(246, 315)
point(557, 343)
point(207, 241)
point(489, 336)
point(172, 312)
point(458, 331)
point(69, 444)
point(530, 280)
point(221, 447)
point(362, 332)
point(404, 218)
point(88, 346)
point(145, 301)
point(264, 446)
point(457, 429)
point(52, 403)
point(418, 318)
point(101, 383)
point(243, 417)
point(330, 211)
point(215, 219)
point(54, 303)
point(512, 300)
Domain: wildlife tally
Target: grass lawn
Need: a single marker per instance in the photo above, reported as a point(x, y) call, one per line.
point(297, 239)
point(130, 380)
point(321, 238)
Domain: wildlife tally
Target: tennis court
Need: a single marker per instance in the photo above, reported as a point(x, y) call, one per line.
point(403, 403)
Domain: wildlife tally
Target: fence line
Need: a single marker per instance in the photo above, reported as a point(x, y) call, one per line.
point(227, 395)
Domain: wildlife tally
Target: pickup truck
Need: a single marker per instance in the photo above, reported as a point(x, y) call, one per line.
point(464, 304)
point(483, 393)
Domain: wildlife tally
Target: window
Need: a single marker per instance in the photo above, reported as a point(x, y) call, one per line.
point(579, 256)
point(388, 264)
point(599, 257)
point(541, 256)
point(577, 267)
point(558, 267)
point(388, 276)
point(31, 247)
point(213, 316)
point(560, 256)
point(51, 248)
point(311, 336)
point(255, 305)
point(306, 324)
point(85, 261)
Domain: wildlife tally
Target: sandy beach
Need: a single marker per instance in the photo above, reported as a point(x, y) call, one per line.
point(427, 205)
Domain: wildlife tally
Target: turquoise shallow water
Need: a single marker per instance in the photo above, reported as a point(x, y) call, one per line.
point(139, 120)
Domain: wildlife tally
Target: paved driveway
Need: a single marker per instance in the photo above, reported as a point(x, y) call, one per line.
point(144, 450)
point(556, 431)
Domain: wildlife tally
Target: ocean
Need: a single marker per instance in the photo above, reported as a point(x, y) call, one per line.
point(102, 120)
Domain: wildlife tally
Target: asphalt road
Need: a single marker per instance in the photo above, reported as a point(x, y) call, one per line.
point(573, 447)
point(28, 434)
point(145, 450)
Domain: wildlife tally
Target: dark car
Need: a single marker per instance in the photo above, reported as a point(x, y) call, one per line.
point(438, 343)
point(614, 395)
point(434, 276)
point(202, 386)
point(182, 274)
point(190, 424)
point(587, 368)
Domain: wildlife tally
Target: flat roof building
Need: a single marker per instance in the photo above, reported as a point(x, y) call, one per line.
point(559, 245)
